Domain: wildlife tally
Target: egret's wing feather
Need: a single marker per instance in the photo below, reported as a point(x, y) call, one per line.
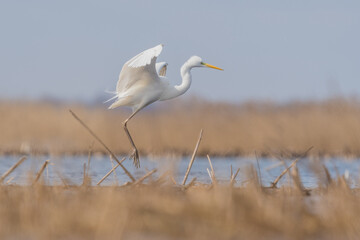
point(140, 67)
point(144, 58)
point(161, 68)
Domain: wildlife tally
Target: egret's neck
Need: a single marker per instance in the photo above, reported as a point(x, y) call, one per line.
point(177, 90)
point(186, 79)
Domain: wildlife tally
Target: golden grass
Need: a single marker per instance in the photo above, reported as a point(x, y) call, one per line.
point(332, 127)
point(158, 208)
point(166, 211)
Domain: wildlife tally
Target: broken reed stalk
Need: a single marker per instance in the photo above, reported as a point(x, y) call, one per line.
point(84, 174)
point(192, 158)
point(22, 159)
point(278, 164)
point(9, 180)
point(86, 178)
point(232, 181)
point(173, 180)
point(89, 158)
point(63, 180)
point(254, 176)
point(273, 185)
point(294, 172)
point(211, 178)
point(192, 183)
point(328, 176)
point(38, 175)
point(113, 165)
point(113, 169)
point(212, 172)
point(140, 180)
point(343, 183)
point(259, 170)
point(161, 179)
point(103, 144)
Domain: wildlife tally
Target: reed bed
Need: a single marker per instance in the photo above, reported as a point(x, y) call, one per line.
point(332, 127)
point(158, 208)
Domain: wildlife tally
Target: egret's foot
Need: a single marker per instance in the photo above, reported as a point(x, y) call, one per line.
point(135, 156)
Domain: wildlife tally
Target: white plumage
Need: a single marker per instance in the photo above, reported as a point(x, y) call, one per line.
point(144, 58)
point(142, 81)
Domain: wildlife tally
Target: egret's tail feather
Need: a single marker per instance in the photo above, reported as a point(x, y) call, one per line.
point(110, 92)
point(115, 105)
point(109, 100)
point(122, 100)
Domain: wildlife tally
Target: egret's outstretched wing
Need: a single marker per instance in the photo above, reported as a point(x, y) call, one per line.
point(140, 67)
point(144, 58)
point(161, 68)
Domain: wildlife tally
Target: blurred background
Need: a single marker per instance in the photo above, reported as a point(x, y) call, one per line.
point(291, 76)
point(279, 50)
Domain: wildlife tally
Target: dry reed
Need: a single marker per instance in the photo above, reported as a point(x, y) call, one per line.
point(157, 211)
point(103, 144)
point(211, 172)
point(8, 172)
point(192, 158)
point(140, 180)
point(38, 175)
point(162, 209)
point(332, 127)
point(288, 168)
point(111, 171)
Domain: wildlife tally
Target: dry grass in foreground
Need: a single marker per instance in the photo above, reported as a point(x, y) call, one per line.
point(159, 208)
point(332, 127)
point(162, 210)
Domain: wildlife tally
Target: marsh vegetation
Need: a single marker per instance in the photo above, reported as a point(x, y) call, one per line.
point(332, 127)
point(160, 208)
point(157, 205)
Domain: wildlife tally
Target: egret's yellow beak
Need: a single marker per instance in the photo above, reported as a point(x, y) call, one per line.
point(211, 66)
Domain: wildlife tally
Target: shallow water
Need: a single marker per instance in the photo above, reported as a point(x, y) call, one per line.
point(72, 168)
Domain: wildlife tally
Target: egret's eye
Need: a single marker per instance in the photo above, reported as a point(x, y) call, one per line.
point(202, 63)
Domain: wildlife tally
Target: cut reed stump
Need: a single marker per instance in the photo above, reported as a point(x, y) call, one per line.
point(192, 158)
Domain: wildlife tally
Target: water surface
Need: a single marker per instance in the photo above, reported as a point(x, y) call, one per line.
point(72, 168)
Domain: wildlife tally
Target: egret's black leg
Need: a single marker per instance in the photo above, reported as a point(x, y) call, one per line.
point(135, 154)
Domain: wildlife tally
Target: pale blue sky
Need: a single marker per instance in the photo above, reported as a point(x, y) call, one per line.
point(279, 50)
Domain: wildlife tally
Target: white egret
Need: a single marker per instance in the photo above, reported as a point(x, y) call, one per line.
point(142, 81)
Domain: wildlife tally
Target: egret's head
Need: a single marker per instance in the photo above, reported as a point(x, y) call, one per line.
point(196, 61)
